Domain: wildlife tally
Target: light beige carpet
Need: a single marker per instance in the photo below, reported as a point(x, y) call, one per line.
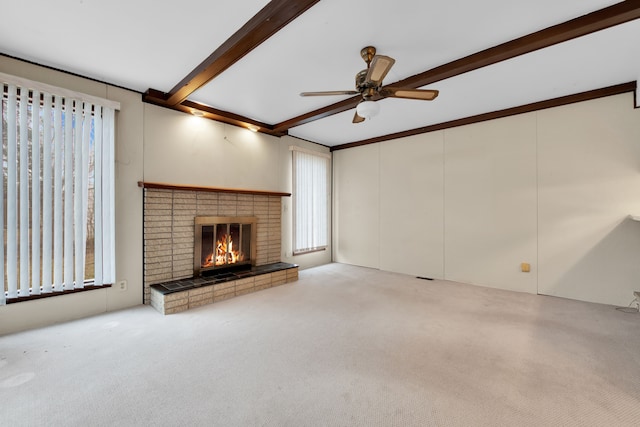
point(343, 346)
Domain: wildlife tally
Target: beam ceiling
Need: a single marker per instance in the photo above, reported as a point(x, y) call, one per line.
point(278, 13)
point(272, 18)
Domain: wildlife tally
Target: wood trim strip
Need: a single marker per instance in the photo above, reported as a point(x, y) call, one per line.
point(599, 20)
point(163, 186)
point(536, 106)
point(268, 21)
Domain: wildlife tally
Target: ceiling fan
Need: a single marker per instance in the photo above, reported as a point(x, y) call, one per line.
point(369, 85)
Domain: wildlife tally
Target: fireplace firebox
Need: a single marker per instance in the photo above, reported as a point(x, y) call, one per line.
point(223, 243)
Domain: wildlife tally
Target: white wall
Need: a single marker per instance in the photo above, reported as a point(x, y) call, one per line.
point(356, 206)
point(589, 181)
point(551, 188)
point(388, 205)
point(490, 203)
point(181, 149)
point(411, 235)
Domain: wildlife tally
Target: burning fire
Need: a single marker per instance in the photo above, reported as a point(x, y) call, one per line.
point(223, 254)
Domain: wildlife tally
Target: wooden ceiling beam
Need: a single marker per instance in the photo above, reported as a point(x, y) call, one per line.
point(607, 17)
point(599, 20)
point(320, 113)
point(211, 113)
point(272, 18)
point(230, 118)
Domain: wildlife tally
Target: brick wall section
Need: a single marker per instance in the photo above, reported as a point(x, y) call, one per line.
point(169, 229)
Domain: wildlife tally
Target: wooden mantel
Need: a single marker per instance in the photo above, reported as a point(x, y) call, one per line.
point(163, 186)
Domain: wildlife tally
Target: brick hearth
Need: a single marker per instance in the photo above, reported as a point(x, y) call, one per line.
point(180, 295)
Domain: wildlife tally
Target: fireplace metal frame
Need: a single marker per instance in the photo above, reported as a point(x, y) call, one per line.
point(201, 221)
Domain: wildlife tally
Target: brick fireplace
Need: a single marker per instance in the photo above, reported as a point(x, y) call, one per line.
point(169, 231)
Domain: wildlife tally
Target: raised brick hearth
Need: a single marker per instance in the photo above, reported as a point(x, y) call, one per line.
point(180, 295)
point(169, 236)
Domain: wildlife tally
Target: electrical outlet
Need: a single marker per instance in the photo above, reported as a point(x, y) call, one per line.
point(122, 285)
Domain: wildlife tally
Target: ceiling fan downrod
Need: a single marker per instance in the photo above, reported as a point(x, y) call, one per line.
point(367, 53)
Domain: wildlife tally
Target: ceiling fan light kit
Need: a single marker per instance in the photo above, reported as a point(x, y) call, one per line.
point(369, 86)
point(367, 109)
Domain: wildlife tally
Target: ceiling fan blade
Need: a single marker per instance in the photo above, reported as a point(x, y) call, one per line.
point(422, 94)
point(357, 118)
point(330, 93)
point(380, 66)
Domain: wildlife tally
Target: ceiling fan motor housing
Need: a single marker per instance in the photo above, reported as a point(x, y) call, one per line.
point(367, 89)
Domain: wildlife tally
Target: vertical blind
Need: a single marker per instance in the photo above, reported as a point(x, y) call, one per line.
point(57, 189)
point(310, 200)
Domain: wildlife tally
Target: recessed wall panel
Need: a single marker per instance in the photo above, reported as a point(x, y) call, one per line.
point(490, 203)
point(357, 206)
point(589, 180)
point(411, 215)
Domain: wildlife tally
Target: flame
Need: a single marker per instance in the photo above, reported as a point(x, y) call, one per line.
point(224, 253)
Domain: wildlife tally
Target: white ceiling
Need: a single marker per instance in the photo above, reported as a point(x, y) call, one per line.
point(154, 44)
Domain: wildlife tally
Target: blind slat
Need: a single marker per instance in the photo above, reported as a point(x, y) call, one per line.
point(47, 197)
point(57, 197)
point(98, 233)
point(2, 270)
point(12, 205)
point(108, 223)
point(68, 190)
point(86, 146)
point(35, 197)
point(78, 147)
point(23, 185)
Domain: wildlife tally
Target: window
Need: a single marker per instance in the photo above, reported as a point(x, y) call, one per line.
point(57, 217)
point(310, 200)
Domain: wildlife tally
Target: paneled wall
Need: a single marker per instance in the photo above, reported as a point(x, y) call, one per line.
point(490, 203)
point(588, 183)
point(411, 235)
point(552, 188)
point(356, 213)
